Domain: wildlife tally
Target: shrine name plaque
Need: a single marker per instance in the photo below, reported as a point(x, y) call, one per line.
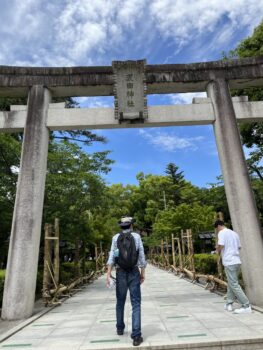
point(130, 90)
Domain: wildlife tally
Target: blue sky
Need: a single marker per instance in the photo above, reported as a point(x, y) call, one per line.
point(83, 33)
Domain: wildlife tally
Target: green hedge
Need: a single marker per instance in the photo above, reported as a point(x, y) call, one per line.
point(67, 270)
point(206, 263)
point(2, 279)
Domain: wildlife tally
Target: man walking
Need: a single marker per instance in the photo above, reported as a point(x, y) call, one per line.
point(229, 247)
point(127, 254)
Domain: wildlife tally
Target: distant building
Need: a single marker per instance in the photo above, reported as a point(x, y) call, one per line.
point(207, 241)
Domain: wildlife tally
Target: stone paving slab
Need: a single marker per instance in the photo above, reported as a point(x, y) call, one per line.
point(176, 314)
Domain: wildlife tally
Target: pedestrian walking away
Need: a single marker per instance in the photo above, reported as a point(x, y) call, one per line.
point(229, 248)
point(127, 255)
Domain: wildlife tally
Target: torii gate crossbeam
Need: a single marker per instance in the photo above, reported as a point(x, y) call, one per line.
point(40, 84)
point(160, 79)
point(201, 112)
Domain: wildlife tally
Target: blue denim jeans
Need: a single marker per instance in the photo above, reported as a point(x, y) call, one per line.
point(233, 287)
point(129, 280)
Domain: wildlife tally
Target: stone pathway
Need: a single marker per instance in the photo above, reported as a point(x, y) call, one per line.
point(176, 314)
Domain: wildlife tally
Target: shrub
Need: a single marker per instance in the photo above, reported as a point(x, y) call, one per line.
point(206, 263)
point(2, 281)
point(90, 265)
point(67, 270)
point(39, 285)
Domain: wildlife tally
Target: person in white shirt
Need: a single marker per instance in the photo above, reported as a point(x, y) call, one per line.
point(228, 247)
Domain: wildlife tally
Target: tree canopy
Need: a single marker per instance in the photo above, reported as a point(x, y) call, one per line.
point(252, 133)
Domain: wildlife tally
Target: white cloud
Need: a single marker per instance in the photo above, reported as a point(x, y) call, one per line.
point(184, 21)
point(130, 11)
point(80, 32)
point(186, 98)
point(82, 26)
point(169, 141)
point(95, 102)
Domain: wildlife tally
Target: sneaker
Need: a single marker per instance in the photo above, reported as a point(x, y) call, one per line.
point(228, 307)
point(137, 341)
point(120, 331)
point(243, 310)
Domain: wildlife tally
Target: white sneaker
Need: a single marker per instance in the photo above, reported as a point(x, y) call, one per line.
point(243, 310)
point(228, 307)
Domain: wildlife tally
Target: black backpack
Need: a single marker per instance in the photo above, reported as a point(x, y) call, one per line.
point(128, 255)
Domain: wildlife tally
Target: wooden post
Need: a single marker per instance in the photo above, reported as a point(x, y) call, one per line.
point(188, 241)
point(191, 249)
point(56, 252)
point(96, 257)
point(101, 254)
point(167, 252)
point(193, 253)
point(183, 247)
point(180, 253)
point(76, 260)
point(173, 251)
point(47, 255)
point(162, 252)
point(83, 259)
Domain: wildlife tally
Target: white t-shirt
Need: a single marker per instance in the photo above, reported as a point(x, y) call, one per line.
point(231, 242)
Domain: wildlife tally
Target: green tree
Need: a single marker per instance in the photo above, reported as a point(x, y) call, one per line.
point(215, 196)
point(73, 184)
point(155, 193)
point(172, 172)
point(177, 180)
point(252, 133)
point(184, 216)
point(251, 46)
point(10, 148)
point(191, 194)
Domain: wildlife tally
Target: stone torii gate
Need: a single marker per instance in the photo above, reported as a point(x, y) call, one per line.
point(130, 82)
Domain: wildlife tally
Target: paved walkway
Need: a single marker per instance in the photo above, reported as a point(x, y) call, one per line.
point(175, 314)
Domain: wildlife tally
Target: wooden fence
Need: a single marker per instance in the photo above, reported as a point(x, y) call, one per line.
point(178, 256)
point(52, 288)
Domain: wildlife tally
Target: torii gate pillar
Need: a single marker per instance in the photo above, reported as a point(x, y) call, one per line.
point(240, 198)
point(20, 281)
